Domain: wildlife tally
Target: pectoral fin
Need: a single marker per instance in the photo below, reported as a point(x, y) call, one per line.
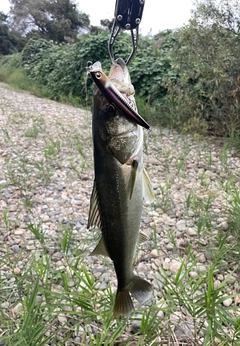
point(148, 193)
point(133, 177)
point(94, 219)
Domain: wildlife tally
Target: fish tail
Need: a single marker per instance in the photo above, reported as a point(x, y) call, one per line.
point(139, 288)
point(123, 304)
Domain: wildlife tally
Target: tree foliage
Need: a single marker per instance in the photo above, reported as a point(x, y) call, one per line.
point(10, 41)
point(54, 20)
point(206, 60)
point(62, 69)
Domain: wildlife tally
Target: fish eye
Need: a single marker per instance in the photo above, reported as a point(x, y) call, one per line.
point(98, 75)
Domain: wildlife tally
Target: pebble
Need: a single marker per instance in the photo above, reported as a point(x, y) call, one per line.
point(231, 279)
point(191, 231)
point(174, 266)
point(201, 268)
point(166, 263)
point(223, 225)
point(17, 271)
point(5, 305)
point(154, 253)
point(202, 258)
point(227, 302)
point(15, 248)
point(181, 225)
point(193, 274)
point(17, 308)
point(136, 324)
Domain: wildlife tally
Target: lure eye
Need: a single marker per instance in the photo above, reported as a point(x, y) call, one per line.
point(108, 108)
point(98, 75)
point(111, 109)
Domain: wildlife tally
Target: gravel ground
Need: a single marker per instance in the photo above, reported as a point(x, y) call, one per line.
point(46, 178)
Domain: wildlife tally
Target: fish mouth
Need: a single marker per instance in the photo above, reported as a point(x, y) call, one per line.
point(120, 78)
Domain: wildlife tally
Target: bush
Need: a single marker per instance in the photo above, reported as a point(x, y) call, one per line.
point(206, 61)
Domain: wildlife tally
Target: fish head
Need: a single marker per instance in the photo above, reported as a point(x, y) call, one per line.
point(118, 90)
point(121, 134)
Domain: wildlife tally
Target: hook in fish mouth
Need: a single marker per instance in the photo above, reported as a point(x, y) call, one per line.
point(113, 95)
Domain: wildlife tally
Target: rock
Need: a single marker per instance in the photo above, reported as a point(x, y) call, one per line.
point(231, 278)
point(44, 218)
point(181, 225)
point(191, 231)
point(17, 308)
point(106, 277)
point(71, 283)
point(169, 246)
point(223, 225)
point(62, 319)
point(15, 248)
point(166, 263)
point(193, 274)
point(136, 324)
point(217, 283)
point(38, 300)
point(142, 267)
point(201, 268)
point(174, 266)
point(184, 330)
point(16, 271)
point(202, 258)
point(154, 253)
point(227, 302)
point(5, 305)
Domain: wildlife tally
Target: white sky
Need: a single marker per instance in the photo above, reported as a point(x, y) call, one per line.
point(158, 14)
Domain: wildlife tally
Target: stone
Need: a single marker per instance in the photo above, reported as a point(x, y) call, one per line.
point(202, 258)
point(193, 274)
point(17, 308)
point(181, 225)
point(136, 324)
point(191, 231)
point(166, 263)
point(17, 271)
point(15, 248)
point(174, 266)
point(154, 253)
point(227, 302)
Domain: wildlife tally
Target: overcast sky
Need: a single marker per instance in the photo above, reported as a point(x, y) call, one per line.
point(158, 14)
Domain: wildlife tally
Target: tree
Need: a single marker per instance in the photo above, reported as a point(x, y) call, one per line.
point(10, 41)
point(206, 61)
point(50, 19)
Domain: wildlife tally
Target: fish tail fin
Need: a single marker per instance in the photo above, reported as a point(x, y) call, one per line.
point(139, 288)
point(123, 304)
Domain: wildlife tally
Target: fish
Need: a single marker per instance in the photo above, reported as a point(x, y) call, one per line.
point(121, 181)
